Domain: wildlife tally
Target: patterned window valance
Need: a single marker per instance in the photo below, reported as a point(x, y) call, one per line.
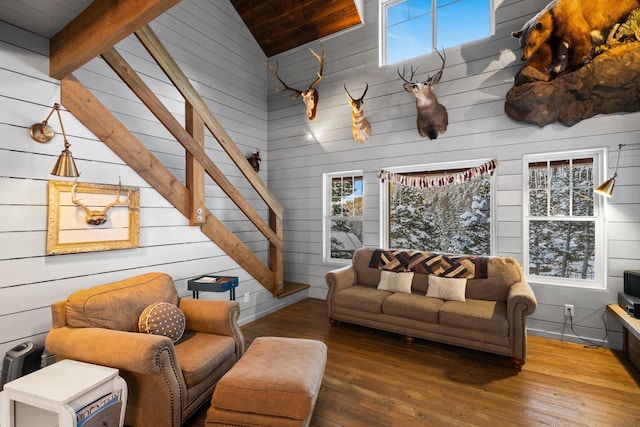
point(439, 180)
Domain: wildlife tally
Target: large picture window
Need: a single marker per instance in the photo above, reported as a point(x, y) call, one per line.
point(343, 215)
point(563, 219)
point(440, 210)
point(410, 28)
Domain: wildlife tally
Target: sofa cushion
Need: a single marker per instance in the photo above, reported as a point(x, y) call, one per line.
point(361, 298)
point(412, 306)
point(360, 261)
point(395, 282)
point(118, 305)
point(476, 315)
point(200, 354)
point(446, 288)
point(162, 318)
point(420, 283)
point(503, 272)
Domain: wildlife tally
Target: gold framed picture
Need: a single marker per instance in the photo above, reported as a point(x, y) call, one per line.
point(84, 217)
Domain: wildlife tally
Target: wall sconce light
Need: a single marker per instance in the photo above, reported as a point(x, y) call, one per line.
point(606, 188)
point(43, 133)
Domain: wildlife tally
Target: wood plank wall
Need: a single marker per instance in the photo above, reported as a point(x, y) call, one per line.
point(224, 62)
point(473, 87)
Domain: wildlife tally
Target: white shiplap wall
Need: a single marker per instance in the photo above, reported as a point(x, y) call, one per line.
point(223, 61)
point(473, 88)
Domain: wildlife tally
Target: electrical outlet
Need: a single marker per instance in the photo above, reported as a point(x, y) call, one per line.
point(568, 310)
point(246, 297)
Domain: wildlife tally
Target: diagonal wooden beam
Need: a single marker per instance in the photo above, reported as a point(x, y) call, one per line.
point(100, 26)
point(163, 58)
point(135, 83)
point(95, 117)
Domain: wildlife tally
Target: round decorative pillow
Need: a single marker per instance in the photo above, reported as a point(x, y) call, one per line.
point(162, 318)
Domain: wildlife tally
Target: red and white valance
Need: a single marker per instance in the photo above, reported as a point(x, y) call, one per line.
point(438, 180)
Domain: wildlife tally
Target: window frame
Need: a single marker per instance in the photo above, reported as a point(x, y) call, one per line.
point(599, 206)
point(461, 164)
point(383, 22)
point(327, 217)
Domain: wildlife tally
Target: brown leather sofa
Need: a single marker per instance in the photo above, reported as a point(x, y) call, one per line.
point(491, 318)
point(166, 382)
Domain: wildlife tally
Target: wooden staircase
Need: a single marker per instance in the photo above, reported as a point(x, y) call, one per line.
point(187, 198)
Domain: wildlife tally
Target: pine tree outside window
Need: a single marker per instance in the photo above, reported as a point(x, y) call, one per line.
point(343, 215)
point(454, 218)
point(563, 221)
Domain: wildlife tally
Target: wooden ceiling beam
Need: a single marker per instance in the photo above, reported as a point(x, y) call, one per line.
point(99, 27)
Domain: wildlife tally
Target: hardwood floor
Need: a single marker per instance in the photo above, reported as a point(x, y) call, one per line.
point(373, 378)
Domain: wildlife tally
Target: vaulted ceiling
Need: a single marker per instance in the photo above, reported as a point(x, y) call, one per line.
point(277, 25)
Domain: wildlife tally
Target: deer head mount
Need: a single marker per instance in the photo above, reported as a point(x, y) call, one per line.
point(95, 217)
point(360, 125)
point(432, 116)
point(309, 96)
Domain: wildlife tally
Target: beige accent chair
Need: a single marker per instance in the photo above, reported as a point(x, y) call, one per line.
point(167, 382)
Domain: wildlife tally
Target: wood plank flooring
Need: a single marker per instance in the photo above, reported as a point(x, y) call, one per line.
point(373, 378)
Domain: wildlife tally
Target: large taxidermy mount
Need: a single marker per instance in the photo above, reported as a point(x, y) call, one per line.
point(559, 81)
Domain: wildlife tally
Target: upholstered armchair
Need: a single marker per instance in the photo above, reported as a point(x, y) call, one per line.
point(167, 382)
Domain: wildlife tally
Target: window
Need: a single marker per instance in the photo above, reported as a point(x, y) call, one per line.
point(436, 209)
point(343, 220)
point(563, 227)
point(411, 28)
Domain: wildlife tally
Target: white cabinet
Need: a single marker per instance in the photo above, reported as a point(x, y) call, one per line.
point(52, 396)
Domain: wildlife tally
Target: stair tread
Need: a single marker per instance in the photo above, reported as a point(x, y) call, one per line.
point(290, 288)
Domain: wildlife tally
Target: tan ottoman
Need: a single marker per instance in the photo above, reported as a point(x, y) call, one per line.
point(275, 383)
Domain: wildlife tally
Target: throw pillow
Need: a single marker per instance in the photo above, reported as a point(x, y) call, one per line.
point(395, 282)
point(446, 288)
point(162, 318)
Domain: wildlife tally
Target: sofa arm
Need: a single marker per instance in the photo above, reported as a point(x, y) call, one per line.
point(521, 299)
point(214, 317)
point(521, 302)
point(341, 278)
point(148, 363)
point(337, 280)
point(129, 351)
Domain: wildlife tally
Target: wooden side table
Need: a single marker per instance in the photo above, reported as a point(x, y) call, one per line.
point(630, 333)
point(56, 394)
point(213, 283)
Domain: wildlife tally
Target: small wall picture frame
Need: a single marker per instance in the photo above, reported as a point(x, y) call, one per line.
point(99, 220)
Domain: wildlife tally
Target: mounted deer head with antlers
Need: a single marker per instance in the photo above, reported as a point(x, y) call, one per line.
point(432, 116)
point(94, 217)
point(309, 96)
point(360, 125)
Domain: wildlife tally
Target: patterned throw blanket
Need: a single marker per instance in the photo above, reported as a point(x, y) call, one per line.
point(470, 267)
